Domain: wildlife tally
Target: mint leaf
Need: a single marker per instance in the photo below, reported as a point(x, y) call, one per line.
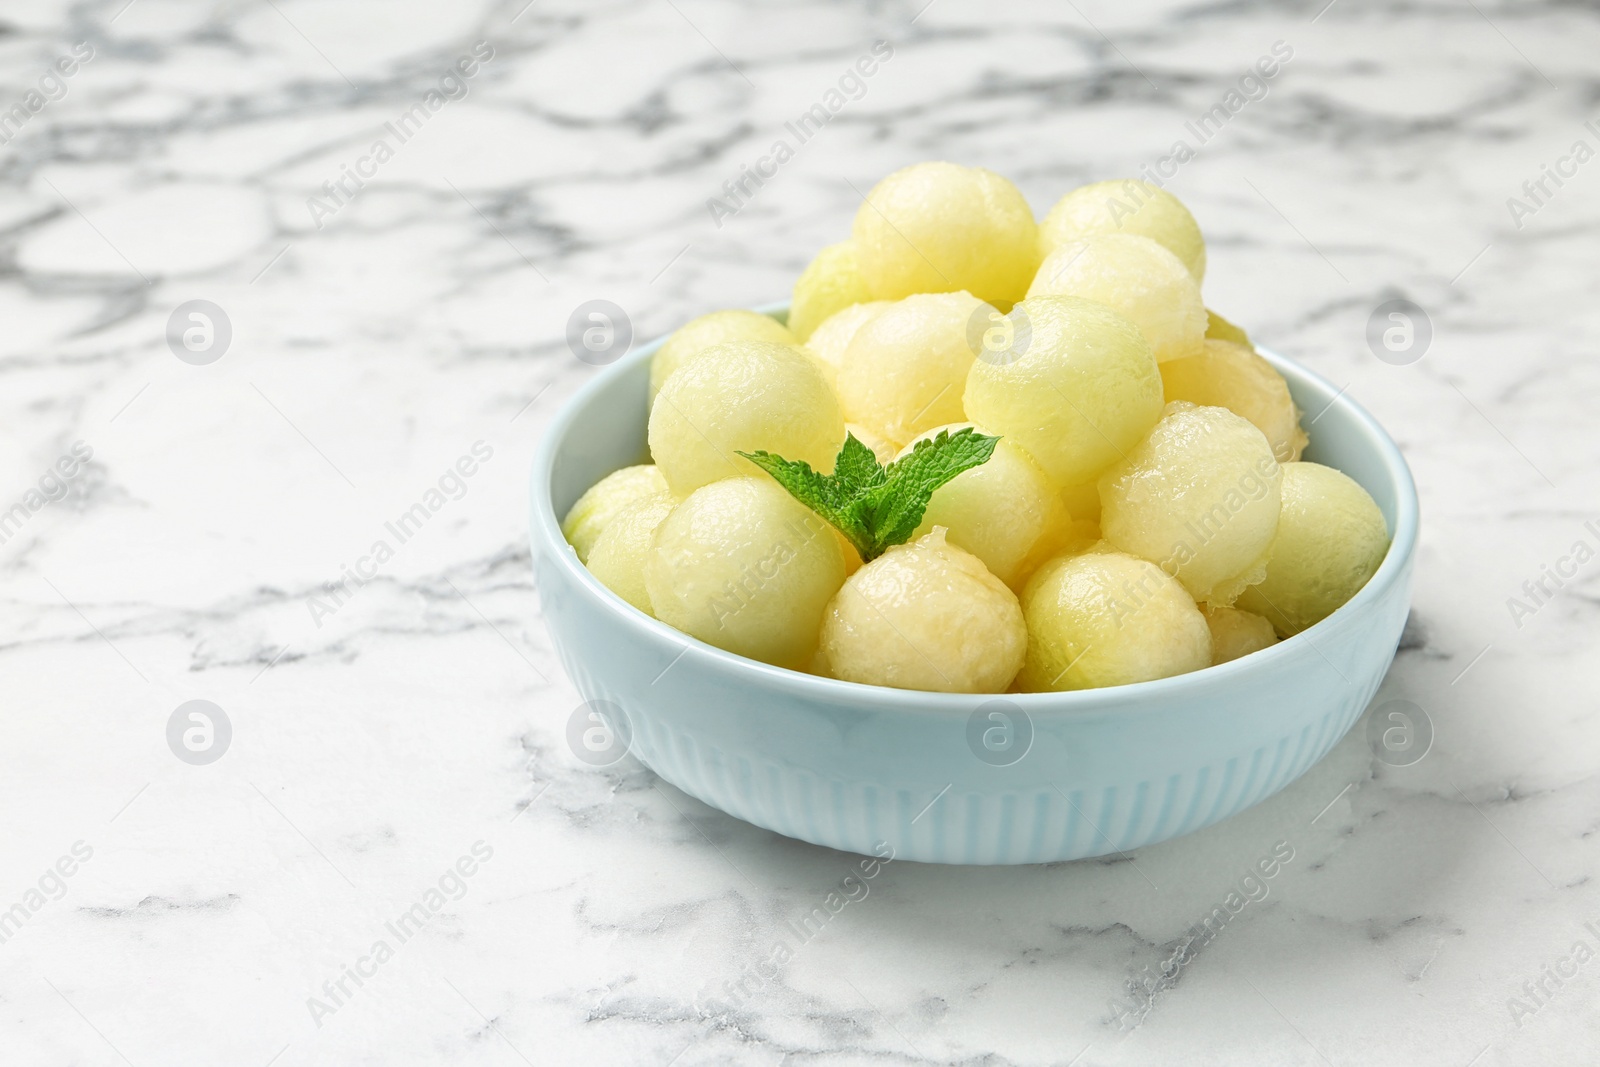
point(874, 507)
point(857, 466)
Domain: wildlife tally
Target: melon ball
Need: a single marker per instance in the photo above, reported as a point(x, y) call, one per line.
point(1084, 391)
point(1126, 206)
point(1236, 633)
point(1231, 376)
point(618, 557)
point(1105, 618)
point(944, 228)
point(708, 331)
point(997, 510)
point(1200, 497)
point(1220, 329)
point(742, 565)
point(829, 284)
point(1138, 279)
point(906, 370)
point(1331, 539)
point(606, 499)
point(747, 396)
point(925, 615)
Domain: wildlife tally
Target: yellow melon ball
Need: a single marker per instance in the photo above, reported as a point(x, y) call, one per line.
point(1084, 391)
point(1331, 539)
point(708, 331)
point(1199, 496)
point(829, 340)
point(1220, 329)
point(925, 615)
point(742, 565)
point(1236, 633)
point(618, 557)
point(1227, 375)
point(606, 499)
point(997, 510)
point(743, 397)
point(1127, 206)
point(829, 284)
point(1105, 618)
point(906, 370)
point(1136, 278)
point(944, 228)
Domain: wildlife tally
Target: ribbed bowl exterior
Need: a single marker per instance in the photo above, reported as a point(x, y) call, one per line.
point(855, 767)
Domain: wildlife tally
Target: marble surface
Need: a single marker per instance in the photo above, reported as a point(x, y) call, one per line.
point(1430, 913)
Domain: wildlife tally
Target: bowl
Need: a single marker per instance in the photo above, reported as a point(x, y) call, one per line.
point(950, 778)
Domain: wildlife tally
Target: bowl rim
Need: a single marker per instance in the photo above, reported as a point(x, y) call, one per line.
point(546, 529)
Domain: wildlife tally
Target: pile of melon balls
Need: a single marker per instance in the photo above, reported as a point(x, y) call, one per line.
point(1144, 513)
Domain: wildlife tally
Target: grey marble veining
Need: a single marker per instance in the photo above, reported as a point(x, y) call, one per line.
point(1438, 913)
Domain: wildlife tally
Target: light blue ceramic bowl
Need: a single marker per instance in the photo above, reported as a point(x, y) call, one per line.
point(944, 778)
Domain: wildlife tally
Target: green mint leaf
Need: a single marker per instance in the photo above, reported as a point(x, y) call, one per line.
point(873, 506)
point(895, 509)
point(857, 468)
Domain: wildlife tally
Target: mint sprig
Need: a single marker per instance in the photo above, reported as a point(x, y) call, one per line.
point(874, 506)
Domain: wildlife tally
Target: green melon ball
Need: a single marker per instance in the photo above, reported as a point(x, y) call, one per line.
point(1136, 278)
point(708, 331)
point(1126, 206)
point(747, 396)
point(925, 615)
point(1231, 376)
point(1236, 633)
point(1199, 497)
point(997, 510)
point(742, 565)
point(1083, 393)
point(945, 228)
point(1104, 618)
point(906, 370)
point(619, 556)
point(829, 284)
point(603, 501)
point(1331, 539)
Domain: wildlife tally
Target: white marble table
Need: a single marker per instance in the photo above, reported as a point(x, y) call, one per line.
point(384, 742)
